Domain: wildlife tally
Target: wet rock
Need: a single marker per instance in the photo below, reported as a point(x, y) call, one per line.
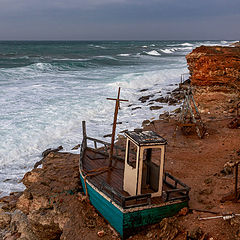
point(143, 99)
point(164, 115)
point(172, 101)
point(143, 90)
point(49, 150)
point(145, 123)
point(155, 107)
point(136, 108)
point(177, 110)
point(107, 135)
point(76, 147)
point(161, 100)
point(7, 180)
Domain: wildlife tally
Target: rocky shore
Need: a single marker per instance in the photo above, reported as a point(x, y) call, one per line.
point(53, 206)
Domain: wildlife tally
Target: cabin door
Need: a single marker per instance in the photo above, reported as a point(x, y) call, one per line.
point(130, 183)
point(152, 171)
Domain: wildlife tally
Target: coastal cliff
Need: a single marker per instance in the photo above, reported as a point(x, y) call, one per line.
point(215, 79)
point(211, 65)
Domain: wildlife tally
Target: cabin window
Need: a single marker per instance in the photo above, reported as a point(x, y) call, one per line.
point(132, 154)
point(151, 170)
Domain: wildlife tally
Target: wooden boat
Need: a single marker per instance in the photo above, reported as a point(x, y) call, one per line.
point(133, 190)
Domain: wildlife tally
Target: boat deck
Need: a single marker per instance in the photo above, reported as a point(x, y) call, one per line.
point(111, 180)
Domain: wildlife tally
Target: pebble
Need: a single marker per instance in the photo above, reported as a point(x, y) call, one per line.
point(101, 233)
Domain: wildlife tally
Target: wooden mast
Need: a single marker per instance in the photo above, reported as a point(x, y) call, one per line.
point(117, 106)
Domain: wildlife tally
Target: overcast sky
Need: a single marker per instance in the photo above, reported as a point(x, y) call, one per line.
point(119, 19)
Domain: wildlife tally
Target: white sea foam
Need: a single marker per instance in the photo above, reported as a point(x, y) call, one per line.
point(71, 59)
point(186, 44)
point(153, 53)
point(98, 46)
point(168, 50)
point(106, 57)
point(144, 46)
point(123, 54)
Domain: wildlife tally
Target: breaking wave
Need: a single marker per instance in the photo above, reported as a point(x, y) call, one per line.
point(153, 53)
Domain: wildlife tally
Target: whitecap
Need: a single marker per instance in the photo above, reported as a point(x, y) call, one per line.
point(107, 57)
point(123, 54)
point(168, 50)
point(153, 53)
point(98, 46)
point(144, 46)
point(186, 44)
point(224, 42)
point(42, 66)
point(70, 59)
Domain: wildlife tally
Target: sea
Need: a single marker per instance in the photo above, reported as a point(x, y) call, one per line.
point(47, 88)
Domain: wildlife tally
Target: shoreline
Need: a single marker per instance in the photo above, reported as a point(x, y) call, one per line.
point(176, 148)
point(53, 206)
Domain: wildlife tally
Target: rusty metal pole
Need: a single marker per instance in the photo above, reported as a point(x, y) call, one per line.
point(236, 182)
point(114, 128)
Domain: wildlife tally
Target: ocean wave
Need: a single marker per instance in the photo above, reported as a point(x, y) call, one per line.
point(70, 59)
point(106, 57)
point(186, 44)
point(144, 46)
point(186, 48)
point(98, 46)
point(123, 54)
point(150, 78)
point(153, 53)
point(168, 50)
point(42, 66)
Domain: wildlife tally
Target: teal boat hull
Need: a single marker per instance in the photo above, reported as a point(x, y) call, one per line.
point(127, 221)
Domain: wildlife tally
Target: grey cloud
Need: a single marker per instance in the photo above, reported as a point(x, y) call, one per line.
point(119, 19)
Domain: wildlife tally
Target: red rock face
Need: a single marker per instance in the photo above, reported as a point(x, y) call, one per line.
point(214, 65)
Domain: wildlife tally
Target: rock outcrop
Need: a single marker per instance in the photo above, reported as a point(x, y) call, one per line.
point(52, 206)
point(214, 65)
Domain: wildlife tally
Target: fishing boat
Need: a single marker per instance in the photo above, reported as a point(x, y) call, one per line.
point(127, 184)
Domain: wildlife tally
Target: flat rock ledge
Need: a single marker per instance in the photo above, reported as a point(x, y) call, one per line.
point(52, 206)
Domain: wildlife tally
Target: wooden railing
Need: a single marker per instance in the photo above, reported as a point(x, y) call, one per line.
point(179, 191)
point(123, 201)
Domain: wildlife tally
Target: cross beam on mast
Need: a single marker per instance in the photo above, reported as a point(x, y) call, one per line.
point(117, 106)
